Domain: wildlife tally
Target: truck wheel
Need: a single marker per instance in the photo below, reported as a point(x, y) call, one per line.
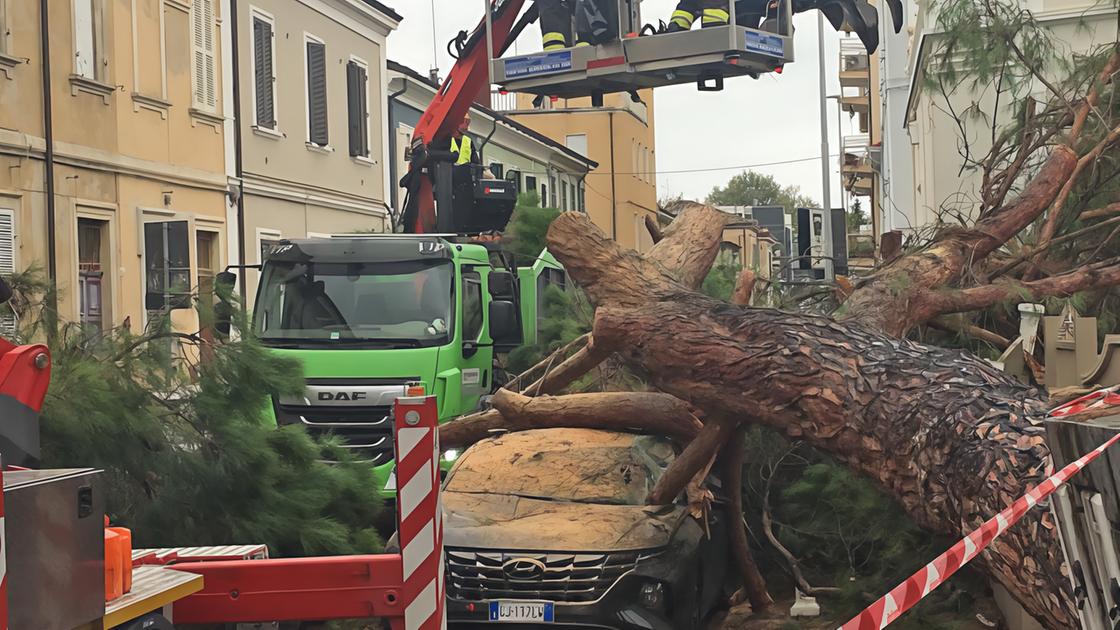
point(150, 621)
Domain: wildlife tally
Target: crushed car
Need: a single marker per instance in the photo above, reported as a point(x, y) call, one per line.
point(549, 527)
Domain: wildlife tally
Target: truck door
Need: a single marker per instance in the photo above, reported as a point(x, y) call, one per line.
point(477, 351)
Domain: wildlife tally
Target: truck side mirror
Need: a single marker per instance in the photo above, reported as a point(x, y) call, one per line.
point(224, 284)
point(5, 291)
point(226, 280)
point(501, 285)
point(504, 328)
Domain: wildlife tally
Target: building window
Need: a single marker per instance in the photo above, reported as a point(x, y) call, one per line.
point(552, 186)
point(544, 195)
point(531, 185)
point(514, 177)
point(357, 102)
point(206, 252)
point(577, 143)
point(204, 93)
point(93, 259)
point(315, 58)
point(564, 195)
point(264, 76)
point(472, 305)
point(167, 267)
point(87, 44)
point(582, 198)
point(7, 262)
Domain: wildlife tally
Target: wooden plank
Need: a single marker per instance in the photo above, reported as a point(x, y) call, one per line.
point(152, 589)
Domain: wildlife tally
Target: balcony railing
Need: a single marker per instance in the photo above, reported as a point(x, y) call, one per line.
point(853, 56)
point(503, 101)
point(855, 71)
point(856, 168)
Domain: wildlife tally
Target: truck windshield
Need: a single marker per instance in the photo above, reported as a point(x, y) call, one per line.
point(401, 303)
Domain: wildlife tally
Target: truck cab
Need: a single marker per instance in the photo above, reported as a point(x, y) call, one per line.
point(369, 316)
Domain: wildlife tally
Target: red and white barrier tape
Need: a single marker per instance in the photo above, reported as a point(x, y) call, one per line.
point(421, 520)
point(904, 596)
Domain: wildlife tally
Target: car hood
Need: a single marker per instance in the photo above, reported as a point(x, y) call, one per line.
point(504, 522)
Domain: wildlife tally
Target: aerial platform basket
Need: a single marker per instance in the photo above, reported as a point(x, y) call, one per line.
point(704, 56)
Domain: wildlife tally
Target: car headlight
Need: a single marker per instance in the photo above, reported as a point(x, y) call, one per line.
point(451, 455)
point(652, 595)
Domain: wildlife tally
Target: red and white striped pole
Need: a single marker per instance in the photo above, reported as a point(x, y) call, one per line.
point(419, 514)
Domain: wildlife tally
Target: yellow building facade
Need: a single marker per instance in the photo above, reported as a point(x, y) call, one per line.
point(139, 186)
point(622, 191)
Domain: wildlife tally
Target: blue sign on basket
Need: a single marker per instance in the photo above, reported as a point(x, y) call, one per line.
point(540, 63)
point(764, 44)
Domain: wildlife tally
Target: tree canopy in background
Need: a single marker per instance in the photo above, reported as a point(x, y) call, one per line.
point(751, 188)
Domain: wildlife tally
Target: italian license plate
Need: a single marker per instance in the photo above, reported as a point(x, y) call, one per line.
point(540, 612)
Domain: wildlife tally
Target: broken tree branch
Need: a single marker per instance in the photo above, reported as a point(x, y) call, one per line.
point(794, 564)
point(558, 355)
point(575, 366)
point(744, 288)
point(1097, 275)
point(753, 582)
point(698, 452)
point(1033, 252)
point(957, 324)
point(654, 229)
point(649, 412)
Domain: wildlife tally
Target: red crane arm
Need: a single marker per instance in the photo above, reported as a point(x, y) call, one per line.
point(469, 76)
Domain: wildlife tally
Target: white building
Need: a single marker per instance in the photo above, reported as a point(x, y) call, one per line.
point(918, 172)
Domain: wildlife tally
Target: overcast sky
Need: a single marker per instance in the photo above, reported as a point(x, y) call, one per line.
point(713, 135)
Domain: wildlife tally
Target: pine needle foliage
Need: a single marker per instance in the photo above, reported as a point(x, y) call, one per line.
point(175, 422)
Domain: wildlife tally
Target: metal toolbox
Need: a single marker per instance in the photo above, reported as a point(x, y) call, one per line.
point(54, 537)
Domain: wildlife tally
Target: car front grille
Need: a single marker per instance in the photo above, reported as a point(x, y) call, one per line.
point(366, 431)
point(560, 577)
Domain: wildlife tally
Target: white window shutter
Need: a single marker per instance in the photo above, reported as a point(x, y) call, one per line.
point(84, 60)
point(204, 91)
point(7, 261)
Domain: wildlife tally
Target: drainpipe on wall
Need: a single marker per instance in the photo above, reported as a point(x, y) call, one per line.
point(394, 176)
point(48, 154)
point(238, 166)
point(614, 200)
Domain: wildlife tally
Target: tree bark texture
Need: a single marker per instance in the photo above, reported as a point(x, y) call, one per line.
point(650, 412)
point(950, 437)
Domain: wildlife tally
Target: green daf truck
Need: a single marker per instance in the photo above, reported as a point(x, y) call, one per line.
point(368, 316)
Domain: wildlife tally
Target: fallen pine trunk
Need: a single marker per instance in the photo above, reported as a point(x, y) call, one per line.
point(649, 412)
point(950, 437)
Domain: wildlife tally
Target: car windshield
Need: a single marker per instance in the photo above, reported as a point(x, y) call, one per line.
point(578, 465)
point(335, 302)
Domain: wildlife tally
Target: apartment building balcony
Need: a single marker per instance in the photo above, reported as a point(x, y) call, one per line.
point(855, 67)
point(856, 100)
point(857, 169)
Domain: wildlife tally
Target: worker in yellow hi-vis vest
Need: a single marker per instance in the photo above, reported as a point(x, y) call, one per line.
point(462, 146)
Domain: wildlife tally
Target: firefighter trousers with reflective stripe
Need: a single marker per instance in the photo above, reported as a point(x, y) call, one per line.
point(556, 23)
point(715, 12)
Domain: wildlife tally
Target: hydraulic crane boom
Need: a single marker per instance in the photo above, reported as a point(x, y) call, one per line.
point(467, 79)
